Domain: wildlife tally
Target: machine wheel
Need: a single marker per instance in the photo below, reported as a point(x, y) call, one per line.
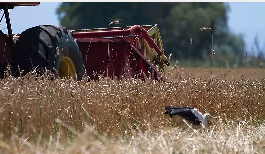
point(49, 47)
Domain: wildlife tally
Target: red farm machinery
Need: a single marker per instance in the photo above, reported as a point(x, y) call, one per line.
point(130, 52)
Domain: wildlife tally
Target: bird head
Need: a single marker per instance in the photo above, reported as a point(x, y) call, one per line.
point(207, 117)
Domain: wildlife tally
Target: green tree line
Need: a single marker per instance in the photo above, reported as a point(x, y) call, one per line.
point(179, 23)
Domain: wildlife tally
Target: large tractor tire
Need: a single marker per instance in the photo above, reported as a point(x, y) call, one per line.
point(48, 47)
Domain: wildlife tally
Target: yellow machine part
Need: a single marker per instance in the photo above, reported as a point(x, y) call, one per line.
point(150, 52)
point(67, 68)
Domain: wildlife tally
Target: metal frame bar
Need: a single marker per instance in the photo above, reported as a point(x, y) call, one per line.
point(20, 3)
point(112, 33)
point(8, 24)
point(143, 58)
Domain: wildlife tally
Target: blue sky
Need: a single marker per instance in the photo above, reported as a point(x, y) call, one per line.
point(248, 18)
point(245, 17)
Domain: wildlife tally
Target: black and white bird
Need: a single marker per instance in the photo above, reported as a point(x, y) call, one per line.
point(188, 114)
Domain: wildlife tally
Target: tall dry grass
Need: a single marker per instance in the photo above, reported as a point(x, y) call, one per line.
point(42, 115)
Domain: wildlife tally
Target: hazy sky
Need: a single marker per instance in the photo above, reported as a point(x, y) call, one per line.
point(248, 18)
point(245, 18)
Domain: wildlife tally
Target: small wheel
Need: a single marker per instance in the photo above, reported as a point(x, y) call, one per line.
point(48, 47)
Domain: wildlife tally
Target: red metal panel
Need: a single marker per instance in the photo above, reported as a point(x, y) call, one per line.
point(133, 64)
point(103, 58)
point(94, 57)
point(113, 55)
point(117, 58)
point(127, 70)
point(133, 30)
point(110, 58)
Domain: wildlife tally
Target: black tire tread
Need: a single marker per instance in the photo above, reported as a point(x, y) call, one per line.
point(49, 37)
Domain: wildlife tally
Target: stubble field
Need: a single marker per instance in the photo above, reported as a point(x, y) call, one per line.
point(110, 116)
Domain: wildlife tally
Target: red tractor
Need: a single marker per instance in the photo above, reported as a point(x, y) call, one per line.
point(132, 51)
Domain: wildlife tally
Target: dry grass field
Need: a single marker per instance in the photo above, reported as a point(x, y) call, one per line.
point(109, 116)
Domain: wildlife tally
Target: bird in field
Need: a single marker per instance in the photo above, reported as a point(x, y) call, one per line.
point(117, 21)
point(188, 115)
